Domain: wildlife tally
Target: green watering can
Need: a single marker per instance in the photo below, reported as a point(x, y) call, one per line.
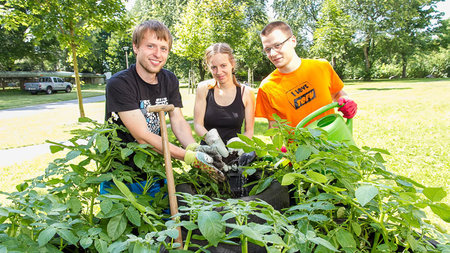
point(334, 124)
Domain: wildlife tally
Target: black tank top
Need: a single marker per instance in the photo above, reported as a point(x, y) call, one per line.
point(226, 119)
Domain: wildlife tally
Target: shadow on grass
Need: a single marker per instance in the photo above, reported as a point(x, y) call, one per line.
point(406, 88)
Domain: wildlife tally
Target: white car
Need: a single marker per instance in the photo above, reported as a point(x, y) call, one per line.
point(48, 85)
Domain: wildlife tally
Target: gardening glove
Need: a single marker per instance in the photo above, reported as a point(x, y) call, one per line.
point(349, 108)
point(234, 139)
point(203, 162)
point(247, 158)
point(212, 138)
point(212, 152)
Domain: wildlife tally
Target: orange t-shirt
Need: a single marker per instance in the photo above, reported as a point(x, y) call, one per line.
point(293, 96)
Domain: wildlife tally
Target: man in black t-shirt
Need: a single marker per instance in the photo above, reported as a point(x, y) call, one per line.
point(129, 92)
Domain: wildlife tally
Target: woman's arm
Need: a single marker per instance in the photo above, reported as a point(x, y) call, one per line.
point(200, 109)
point(249, 104)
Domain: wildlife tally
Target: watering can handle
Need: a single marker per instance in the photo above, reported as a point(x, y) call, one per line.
point(319, 111)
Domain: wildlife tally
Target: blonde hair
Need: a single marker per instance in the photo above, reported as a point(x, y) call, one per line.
point(221, 48)
point(161, 31)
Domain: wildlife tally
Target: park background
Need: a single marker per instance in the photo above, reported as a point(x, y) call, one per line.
point(392, 55)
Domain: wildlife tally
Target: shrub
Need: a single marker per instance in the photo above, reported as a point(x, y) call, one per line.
point(344, 199)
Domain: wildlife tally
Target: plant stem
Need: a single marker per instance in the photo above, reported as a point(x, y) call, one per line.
point(375, 242)
point(188, 240)
point(91, 207)
point(244, 246)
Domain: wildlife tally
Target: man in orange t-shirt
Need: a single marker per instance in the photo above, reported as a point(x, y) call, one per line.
point(297, 87)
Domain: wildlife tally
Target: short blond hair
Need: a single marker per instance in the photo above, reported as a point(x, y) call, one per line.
point(161, 31)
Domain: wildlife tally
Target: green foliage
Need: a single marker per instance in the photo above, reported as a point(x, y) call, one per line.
point(344, 200)
point(343, 188)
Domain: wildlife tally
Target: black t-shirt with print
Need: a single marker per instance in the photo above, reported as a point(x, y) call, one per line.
point(127, 91)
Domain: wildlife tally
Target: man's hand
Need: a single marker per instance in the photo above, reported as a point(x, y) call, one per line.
point(210, 151)
point(204, 162)
point(212, 138)
point(349, 108)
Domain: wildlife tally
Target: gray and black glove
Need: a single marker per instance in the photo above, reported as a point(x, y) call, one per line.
point(212, 138)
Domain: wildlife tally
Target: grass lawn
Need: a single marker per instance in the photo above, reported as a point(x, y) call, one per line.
point(410, 119)
point(14, 98)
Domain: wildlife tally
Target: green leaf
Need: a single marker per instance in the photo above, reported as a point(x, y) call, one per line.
point(211, 226)
point(45, 236)
point(442, 210)
point(173, 233)
point(323, 242)
point(356, 228)
point(259, 142)
point(271, 132)
point(102, 143)
point(345, 239)
point(4, 212)
point(302, 153)
point(139, 159)
point(274, 239)
point(125, 152)
point(54, 149)
point(133, 216)
point(435, 194)
point(318, 218)
point(101, 246)
point(247, 231)
point(116, 226)
point(317, 176)
point(86, 242)
point(245, 139)
point(78, 169)
point(106, 205)
point(68, 236)
point(290, 178)
point(74, 204)
point(365, 194)
point(412, 242)
point(73, 154)
point(277, 141)
point(237, 145)
point(94, 231)
point(262, 187)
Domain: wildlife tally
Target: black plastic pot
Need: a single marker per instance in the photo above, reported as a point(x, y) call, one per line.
point(275, 195)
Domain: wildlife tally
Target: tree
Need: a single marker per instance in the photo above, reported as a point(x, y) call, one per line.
point(70, 21)
point(410, 28)
point(204, 22)
point(301, 15)
point(333, 32)
point(249, 50)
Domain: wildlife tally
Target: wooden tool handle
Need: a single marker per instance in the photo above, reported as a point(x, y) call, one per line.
point(160, 108)
point(168, 162)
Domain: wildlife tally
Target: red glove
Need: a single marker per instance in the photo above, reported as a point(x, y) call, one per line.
point(349, 108)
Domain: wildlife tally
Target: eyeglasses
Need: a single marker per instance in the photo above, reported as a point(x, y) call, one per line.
point(277, 47)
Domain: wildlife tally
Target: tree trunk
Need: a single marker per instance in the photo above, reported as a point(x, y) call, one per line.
point(201, 70)
point(77, 79)
point(333, 62)
point(367, 62)
point(192, 78)
point(404, 64)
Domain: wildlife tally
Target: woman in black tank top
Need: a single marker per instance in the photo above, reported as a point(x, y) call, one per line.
point(222, 103)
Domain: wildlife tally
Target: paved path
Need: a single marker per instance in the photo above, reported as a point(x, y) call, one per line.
point(10, 156)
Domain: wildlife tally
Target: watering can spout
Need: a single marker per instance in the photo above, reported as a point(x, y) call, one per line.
point(334, 124)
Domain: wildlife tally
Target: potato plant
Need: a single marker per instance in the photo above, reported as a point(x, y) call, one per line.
point(343, 200)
